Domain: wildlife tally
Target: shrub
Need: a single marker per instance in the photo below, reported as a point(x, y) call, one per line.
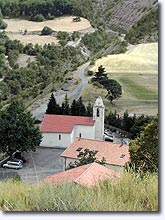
point(46, 31)
point(38, 17)
point(3, 25)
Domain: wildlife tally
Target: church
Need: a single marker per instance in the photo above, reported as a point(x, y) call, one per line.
point(61, 130)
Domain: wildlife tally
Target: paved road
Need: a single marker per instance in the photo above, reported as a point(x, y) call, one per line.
point(42, 163)
point(40, 106)
point(75, 94)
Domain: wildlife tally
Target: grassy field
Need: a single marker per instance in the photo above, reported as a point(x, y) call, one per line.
point(17, 26)
point(137, 72)
point(130, 193)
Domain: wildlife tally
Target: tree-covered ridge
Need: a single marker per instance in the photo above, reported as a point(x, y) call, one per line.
point(51, 65)
point(32, 8)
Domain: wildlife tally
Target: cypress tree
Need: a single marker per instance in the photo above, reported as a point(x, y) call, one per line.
point(89, 109)
point(52, 107)
point(81, 107)
point(65, 109)
point(74, 109)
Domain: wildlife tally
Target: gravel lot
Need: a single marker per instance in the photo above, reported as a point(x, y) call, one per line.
point(42, 163)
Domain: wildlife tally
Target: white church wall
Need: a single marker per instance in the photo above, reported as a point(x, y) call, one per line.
point(62, 140)
point(67, 161)
point(85, 131)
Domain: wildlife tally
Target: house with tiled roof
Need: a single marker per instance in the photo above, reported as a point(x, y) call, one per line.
point(115, 154)
point(87, 175)
point(61, 130)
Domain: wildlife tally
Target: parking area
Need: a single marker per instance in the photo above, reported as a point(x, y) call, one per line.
point(41, 163)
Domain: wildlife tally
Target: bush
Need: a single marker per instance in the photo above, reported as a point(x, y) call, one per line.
point(3, 25)
point(90, 73)
point(46, 31)
point(62, 35)
point(38, 17)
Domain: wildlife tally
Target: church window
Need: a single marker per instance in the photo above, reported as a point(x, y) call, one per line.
point(98, 112)
point(79, 135)
point(59, 136)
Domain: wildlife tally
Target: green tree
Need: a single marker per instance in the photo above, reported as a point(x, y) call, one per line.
point(139, 124)
point(89, 109)
point(78, 107)
point(113, 119)
point(85, 157)
point(17, 130)
point(81, 110)
point(53, 107)
point(3, 25)
point(101, 73)
point(73, 108)
point(65, 109)
point(114, 90)
point(38, 17)
point(62, 35)
point(127, 121)
point(144, 149)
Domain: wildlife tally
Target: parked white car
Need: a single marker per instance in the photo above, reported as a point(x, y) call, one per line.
point(13, 165)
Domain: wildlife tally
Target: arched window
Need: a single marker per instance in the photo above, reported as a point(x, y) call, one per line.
point(79, 135)
point(98, 112)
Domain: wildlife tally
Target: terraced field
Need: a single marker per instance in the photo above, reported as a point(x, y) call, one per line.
point(16, 28)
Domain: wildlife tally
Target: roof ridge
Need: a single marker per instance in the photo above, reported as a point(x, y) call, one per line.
point(85, 171)
point(77, 138)
point(85, 116)
point(112, 143)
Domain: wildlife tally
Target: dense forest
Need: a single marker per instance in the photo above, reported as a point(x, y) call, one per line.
point(39, 10)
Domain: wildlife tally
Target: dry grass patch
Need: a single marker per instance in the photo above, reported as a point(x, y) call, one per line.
point(142, 58)
point(58, 24)
point(34, 39)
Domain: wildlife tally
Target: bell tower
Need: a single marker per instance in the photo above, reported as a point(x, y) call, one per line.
point(98, 116)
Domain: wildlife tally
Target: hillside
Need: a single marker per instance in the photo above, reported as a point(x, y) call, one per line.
point(124, 14)
point(113, 22)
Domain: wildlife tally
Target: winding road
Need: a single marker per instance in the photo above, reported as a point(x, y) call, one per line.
point(75, 94)
point(39, 107)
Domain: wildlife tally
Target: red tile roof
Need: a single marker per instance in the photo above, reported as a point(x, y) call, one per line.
point(109, 150)
point(64, 123)
point(87, 175)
